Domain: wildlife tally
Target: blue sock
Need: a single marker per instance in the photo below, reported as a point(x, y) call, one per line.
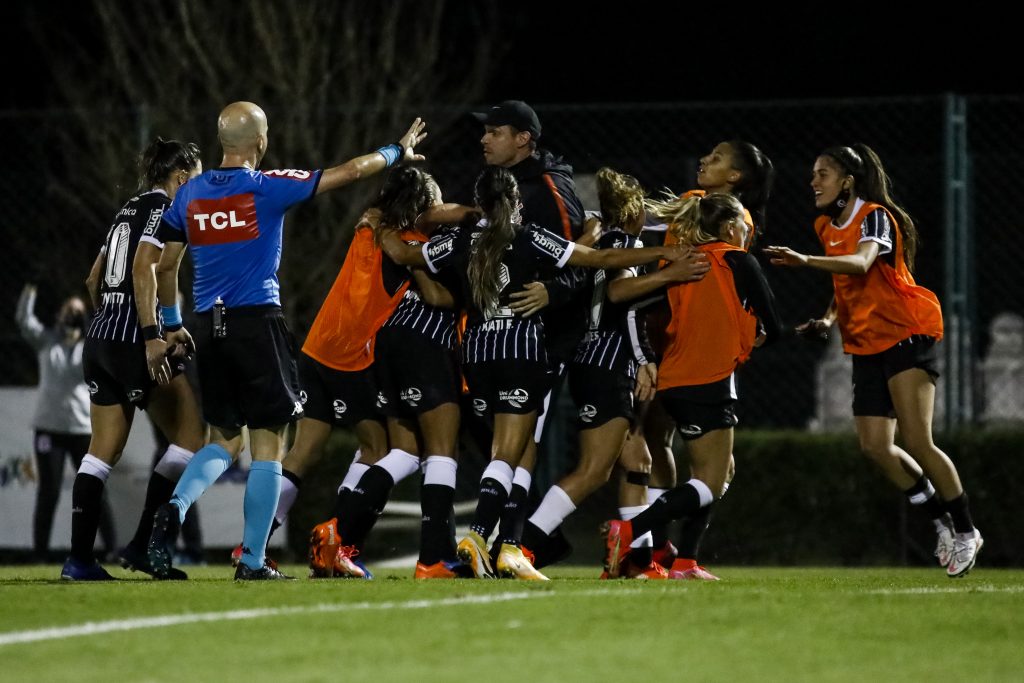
point(206, 466)
point(261, 494)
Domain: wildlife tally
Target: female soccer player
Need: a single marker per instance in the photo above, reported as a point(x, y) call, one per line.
point(891, 326)
point(116, 370)
point(712, 331)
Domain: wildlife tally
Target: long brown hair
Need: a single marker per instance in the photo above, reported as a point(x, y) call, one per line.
point(873, 184)
point(407, 192)
point(621, 198)
point(497, 194)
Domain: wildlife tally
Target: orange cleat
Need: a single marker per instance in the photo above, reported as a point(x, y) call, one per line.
point(443, 570)
point(324, 543)
point(652, 572)
point(689, 570)
point(345, 566)
point(617, 537)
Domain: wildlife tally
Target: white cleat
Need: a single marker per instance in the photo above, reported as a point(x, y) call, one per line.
point(512, 564)
point(965, 553)
point(944, 546)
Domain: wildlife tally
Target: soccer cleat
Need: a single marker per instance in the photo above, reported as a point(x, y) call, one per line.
point(236, 557)
point(472, 551)
point(265, 573)
point(689, 570)
point(444, 569)
point(652, 572)
point(666, 554)
point(73, 570)
point(944, 545)
point(166, 525)
point(324, 542)
point(617, 537)
point(347, 567)
point(965, 553)
point(138, 561)
point(512, 564)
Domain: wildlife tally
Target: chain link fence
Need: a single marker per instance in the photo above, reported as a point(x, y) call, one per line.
point(962, 195)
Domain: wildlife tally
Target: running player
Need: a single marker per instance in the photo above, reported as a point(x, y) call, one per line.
point(891, 326)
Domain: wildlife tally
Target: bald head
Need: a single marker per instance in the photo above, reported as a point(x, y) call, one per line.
point(241, 125)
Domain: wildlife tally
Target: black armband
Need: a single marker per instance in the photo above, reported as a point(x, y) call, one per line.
point(151, 332)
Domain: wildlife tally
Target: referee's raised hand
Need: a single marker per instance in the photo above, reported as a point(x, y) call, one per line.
point(414, 136)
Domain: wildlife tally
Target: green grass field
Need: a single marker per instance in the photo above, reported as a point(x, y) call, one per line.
point(757, 624)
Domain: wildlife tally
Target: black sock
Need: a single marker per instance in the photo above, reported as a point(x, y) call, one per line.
point(641, 557)
point(659, 534)
point(681, 501)
point(488, 507)
point(274, 526)
point(158, 492)
point(86, 502)
point(533, 538)
point(513, 516)
point(365, 506)
point(692, 532)
point(436, 537)
point(932, 505)
point(962, 523)
point(341, 504)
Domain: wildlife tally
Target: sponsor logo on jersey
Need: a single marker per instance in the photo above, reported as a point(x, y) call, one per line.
point(222, 221)
point(412, 396)
point(292, 173)
point(93, 388)
point(436, 250)
point(479, 407)
point(545, 243)
point(153, 221)
point(515, 398)
point(339, 407)
point(135, 395)
point(588, 413)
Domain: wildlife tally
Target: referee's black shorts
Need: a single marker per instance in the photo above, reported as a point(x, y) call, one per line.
point(600, 395)
point(248, 377)
point(338, 396)
point(116, 372)
point(514, 387)
point(871, 373)
point(414, 373)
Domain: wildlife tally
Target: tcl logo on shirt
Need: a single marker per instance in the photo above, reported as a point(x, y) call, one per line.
point(220, 221)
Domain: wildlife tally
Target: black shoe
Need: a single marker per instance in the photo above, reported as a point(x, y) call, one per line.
point(166, 525)
point(264, 573)
point(554, 550)
point(138, 561)
point(75, 570)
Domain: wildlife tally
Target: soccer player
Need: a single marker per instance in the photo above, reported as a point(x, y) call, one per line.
point(232, 219)
point(891, 326)
point(116, 370)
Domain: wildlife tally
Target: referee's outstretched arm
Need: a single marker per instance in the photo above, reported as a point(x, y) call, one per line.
point(370, 164)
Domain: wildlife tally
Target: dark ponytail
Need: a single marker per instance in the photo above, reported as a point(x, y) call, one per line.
point(873, 184)
point(757, 175)
point(162, 158)
point(497, 194)
point(407, 192)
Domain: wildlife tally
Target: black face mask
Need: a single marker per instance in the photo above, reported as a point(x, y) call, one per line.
point(74, 321)
point(838, 204)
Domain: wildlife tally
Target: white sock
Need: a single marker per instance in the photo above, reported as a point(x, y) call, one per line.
point(399, 464)
point(556, 506)
point(523, 478)
point(653, 494)
point(352, 477)
point(173, 462)
point(289, 491)
point(627, 513)
point(501, 472)
point(706, 497)
point(95, 467)
point(439, 470)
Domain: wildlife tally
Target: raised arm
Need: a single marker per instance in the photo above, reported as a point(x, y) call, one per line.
point(31, 328)
point(370, 164)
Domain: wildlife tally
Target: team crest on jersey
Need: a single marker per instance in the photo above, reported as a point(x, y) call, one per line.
point(515, 398)
point(588, 412)
point(412, 396)
point(223, 220)
point(292, 173)
point(339, 408)
point(479, 407)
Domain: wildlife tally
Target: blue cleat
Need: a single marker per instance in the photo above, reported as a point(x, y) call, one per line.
point(75, 570)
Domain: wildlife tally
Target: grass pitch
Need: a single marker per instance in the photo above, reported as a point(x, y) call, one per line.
point(821, 624)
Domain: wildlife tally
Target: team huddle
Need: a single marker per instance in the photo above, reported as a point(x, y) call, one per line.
point(448, 318)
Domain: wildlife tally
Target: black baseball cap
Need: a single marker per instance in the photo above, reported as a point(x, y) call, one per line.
point(515, 113)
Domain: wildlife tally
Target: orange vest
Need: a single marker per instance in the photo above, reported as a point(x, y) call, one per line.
point(884, 306)
point(342, 336)
point(710, 333)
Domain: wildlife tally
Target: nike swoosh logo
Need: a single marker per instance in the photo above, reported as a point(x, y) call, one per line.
point(834, 244)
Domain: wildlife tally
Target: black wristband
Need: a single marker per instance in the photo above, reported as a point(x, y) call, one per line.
point(151, 332)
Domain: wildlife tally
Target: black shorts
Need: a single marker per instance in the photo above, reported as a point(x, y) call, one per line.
point(871, 373)
point(414, 373)
point(600, 395)
point(117, 374)
point(248, 377)
point(336, 396)
point(700, 409)
point(514, 387)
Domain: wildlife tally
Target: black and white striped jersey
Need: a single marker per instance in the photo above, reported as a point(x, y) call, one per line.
point(415, 315)
point(116, 318)
point(499, 334)
point(607, 342)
